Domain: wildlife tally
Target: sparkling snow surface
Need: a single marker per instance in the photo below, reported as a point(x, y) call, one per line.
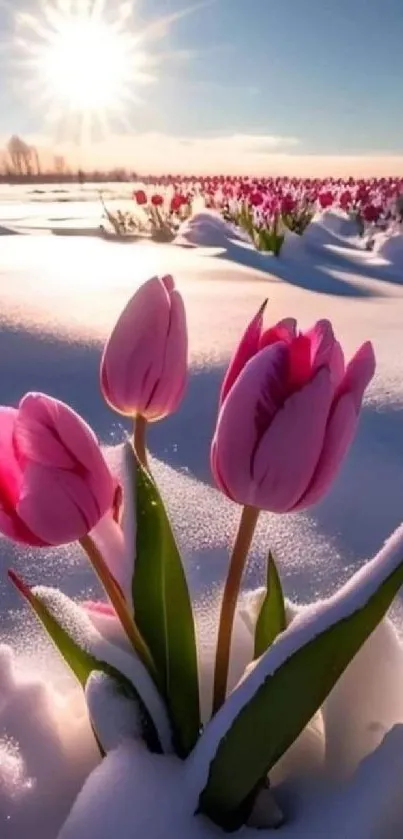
point(59, 297)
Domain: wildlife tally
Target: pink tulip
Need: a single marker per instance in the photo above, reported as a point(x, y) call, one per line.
point(288, 415)
point(144, 365)
point(55, 485)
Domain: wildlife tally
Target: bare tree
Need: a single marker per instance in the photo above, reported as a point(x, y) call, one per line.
point(24, 158)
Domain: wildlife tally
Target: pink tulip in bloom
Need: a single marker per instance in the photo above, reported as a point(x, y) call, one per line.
point(144, 365)
point(55, 485)
point(289, 410)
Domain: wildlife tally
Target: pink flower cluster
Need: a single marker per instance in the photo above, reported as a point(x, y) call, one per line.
point(258, 203)
point(288, 413)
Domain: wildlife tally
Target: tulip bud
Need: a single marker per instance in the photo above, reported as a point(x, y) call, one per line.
point(55, 485)
point(144, 365)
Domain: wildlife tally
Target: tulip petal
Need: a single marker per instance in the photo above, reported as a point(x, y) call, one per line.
point(285, 330)
point(10, 470)
point(339, 436)
point(247, 411)
point(56, 506)
point(50, 433)
point(359, 373)
point(312, 350)
point(287, 456)
point(322, 341)
point(173, 379)
point(134, 354)
point(247, 348)
point(13, 528)
point(337, 365)
point(300, 362)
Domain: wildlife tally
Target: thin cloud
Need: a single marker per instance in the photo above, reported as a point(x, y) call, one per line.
point(160, 27)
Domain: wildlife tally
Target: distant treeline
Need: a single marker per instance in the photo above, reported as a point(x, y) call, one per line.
point(115, 176)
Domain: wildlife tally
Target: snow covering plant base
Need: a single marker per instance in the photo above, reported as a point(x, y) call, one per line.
point(47, 751)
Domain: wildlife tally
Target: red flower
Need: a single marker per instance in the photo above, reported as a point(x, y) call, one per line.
point(371, 213)
point(256, 199)
point(140, 196)
point(157, 200)
point(325, 199)
point(177, 202)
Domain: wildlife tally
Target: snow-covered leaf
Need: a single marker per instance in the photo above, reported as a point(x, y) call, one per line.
point(271, 620)
point(85, 651)
point(163, 609)
point(114, 713)
point(278, 697)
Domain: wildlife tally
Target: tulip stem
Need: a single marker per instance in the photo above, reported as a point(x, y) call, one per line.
point(119, 603)
point(239, 555)
point(140, 433)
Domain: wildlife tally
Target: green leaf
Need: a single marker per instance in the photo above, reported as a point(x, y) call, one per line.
point(81, 661)
point(271, 619)
point(276, 700)
point(163, 609)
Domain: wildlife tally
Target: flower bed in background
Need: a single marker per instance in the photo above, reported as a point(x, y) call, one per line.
point(263, 207)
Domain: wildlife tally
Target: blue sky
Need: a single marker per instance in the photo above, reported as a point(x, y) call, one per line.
point(304, 77)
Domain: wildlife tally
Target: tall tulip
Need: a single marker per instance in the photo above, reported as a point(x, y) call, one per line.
point(289, 408)
point(144, 364)
point(55, 485)
point(299, 406)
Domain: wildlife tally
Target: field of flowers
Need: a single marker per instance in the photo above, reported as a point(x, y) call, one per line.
point(264, 208)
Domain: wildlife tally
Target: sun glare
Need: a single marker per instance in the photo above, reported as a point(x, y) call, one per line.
point(86, 63)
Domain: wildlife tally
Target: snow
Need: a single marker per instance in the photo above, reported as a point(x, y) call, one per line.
point(46, 752)
point(391, 249)
point(134, 793)
point(115, 717)
point(59, 298)
point(78, 625)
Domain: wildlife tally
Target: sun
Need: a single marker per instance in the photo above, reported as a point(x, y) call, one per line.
point(85, 64)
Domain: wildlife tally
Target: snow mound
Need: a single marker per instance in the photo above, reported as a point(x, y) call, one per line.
point(390, 247)
point(133, 793)
point(207, 228)
point(293, 246)
point(47, 750)
point(338, 223)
